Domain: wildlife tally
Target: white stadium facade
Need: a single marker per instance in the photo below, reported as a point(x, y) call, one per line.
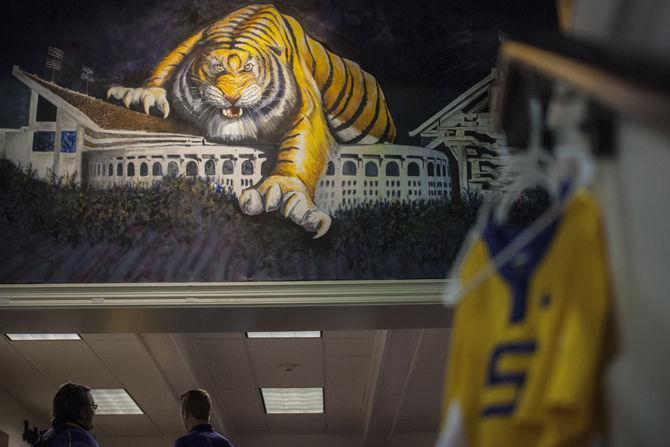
point(102, 145)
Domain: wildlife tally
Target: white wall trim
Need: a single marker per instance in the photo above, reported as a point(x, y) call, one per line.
point(270, 293)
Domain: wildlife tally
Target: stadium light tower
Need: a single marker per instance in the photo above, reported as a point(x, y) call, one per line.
point(54, 60)
point(87, 76)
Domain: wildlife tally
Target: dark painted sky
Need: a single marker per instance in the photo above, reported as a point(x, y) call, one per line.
point(423, 53)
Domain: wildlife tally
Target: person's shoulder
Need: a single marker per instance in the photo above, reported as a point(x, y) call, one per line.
point(82, 438)
point(75, 437)
point(182, 441)
point(193, 439)
point(224, 442)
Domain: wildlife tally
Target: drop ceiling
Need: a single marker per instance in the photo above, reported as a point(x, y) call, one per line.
point(379, 385)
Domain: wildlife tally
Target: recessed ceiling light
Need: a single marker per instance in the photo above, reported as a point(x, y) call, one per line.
point(22, 337)
point(292, 400)
point(114, 401)
point(287, 334)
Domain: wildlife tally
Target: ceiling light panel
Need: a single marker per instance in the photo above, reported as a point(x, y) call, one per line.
point(292, 400)
point(287, 334)
point(114, 401)
point(24, 337)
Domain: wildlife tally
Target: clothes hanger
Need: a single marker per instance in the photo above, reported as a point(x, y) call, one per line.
point(535, 166)
point(570, 165)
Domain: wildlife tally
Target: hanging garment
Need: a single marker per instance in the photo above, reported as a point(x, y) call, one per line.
point(527, 343)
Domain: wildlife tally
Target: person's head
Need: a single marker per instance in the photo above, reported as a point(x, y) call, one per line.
point(195, 406)
point(74, 403)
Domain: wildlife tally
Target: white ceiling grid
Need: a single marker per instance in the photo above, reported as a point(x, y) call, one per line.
point(376, 384)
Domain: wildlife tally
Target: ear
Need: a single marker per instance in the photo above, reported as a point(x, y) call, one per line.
point(276, 49)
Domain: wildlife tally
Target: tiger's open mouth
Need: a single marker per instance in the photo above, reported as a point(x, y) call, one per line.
point(232, 112)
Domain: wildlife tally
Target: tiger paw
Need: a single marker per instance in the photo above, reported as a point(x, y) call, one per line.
point(149, 97)
point(290, 196)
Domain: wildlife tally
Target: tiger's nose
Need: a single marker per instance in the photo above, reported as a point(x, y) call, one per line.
point(232, 99)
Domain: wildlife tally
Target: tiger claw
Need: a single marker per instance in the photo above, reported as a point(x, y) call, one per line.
point(288, 195)
point(149, 97)
point(273, 198)
point(164, 107)
point(116, 91)
point(148, 102)
point(316, 221)
point(128, 98)
point(251, 202)
point(300, 210)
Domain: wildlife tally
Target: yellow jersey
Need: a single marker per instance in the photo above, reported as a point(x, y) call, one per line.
point(527, 344)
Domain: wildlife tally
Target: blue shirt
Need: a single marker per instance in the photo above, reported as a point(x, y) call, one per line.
point(67, 435)
point(202, 436)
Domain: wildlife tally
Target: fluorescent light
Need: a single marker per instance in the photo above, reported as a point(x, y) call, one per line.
point(22, 337)
point(114, 401)
point(291, 334)
point(292, 400)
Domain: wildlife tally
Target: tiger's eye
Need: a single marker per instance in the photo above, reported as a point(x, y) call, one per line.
point(248, 67)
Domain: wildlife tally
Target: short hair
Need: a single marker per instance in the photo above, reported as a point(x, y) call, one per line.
point(70, 402)
point(197, 403)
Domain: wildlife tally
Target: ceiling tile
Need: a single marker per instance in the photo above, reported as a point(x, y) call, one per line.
point(304, 372)
point(92, 337)
point(17, 373)
point(72, 361)
point(401, 347)
point(154, 401)
point(219, 335)
point(349, 334)
point(404, 426)
point(117, 348)
point(39, 402)
point(349, 346)
point(422, 402)
point(431, 360)
point(349, 372)
point(134, 372)
point(344, 406)
point(217, 347)
point(296, 420)
point(169, 424)
point(245, 428)
point(127, 425)
point(414, 439)
point(297, 430)
point(230, 372)
point(279, 350)
point(170, 361)
point(439, 337)
point(243, 407)
point(343, 429)
point(423, 397)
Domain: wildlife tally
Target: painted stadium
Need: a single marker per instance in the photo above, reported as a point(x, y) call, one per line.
point(72, 135)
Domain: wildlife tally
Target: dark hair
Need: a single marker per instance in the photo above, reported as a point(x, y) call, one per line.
point(70, 402)
point(196, 403)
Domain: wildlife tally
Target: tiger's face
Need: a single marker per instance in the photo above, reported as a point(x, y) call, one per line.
point(236, 95)
point(231, 81)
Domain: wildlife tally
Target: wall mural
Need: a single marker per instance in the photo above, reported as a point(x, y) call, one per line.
point(231, 141)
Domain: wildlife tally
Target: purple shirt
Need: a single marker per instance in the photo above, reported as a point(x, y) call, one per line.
point(202, 436)
point(68, 435)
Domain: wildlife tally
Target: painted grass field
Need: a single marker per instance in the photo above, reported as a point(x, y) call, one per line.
point(185, 230)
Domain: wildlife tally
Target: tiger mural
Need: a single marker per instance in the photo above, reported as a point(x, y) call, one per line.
point(255, 76)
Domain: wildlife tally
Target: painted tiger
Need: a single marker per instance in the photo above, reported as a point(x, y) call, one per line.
point(255, 76)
